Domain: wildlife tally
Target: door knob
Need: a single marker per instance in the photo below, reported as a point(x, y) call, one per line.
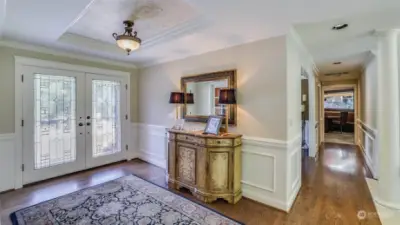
point(80, 124)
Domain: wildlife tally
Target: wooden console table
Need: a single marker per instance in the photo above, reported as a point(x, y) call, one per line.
point(209, 166)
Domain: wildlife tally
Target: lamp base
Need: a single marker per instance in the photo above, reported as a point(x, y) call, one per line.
point(227, 119)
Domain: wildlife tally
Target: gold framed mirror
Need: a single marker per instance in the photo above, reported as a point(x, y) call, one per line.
point(202, 96)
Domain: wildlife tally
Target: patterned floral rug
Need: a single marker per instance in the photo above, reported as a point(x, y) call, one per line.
point(127, 200)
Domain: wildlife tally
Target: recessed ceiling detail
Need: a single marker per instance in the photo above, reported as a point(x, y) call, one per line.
point(151, 18)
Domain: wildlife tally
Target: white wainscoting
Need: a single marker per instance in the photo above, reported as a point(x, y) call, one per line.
point(271, 169)
point(294, 168)
point(368, 144)
point(152, 146)
point(7, 161)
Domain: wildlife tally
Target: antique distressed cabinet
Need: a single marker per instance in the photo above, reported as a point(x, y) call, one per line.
point(209, 166)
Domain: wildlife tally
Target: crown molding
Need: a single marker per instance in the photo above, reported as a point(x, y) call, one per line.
point(177, 31)
point(56, 52)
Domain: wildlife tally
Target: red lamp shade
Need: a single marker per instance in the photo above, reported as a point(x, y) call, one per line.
point(227, 96)
point(177, 98)
point(189, 98)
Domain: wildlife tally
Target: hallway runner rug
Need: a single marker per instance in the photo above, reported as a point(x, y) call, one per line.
point(127, 200)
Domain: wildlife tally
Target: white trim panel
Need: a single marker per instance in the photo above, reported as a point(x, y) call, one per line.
point(7, 161)
point(271, 175)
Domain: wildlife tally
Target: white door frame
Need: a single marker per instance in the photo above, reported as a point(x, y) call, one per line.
point(24, 61)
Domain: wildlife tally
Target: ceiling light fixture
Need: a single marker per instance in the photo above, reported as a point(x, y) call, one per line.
point(340, 26)
point(128, 41)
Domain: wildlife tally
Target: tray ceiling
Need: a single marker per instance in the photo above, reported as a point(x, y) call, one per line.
point(175, 29)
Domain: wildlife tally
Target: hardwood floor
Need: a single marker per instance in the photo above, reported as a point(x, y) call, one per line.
point(333, 191)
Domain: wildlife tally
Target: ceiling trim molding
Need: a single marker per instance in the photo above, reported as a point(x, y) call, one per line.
point(184, 28)
point(63, 53)
point(83, 12)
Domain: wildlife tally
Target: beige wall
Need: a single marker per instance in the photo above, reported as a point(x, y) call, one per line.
point(261, 95)
point(7, 82)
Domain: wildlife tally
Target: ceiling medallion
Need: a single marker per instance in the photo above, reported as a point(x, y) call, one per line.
point(128, 41)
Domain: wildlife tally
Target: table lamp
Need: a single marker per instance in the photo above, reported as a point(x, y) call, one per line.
point(177, 98)
point(227, 97)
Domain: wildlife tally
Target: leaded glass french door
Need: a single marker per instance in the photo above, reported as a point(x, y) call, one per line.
point(72, 121)
point(105, 137)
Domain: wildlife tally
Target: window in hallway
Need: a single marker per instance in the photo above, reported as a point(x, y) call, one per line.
point(337, 100)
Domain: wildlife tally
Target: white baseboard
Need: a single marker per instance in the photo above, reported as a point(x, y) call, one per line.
point(153, 158)
point(262, 196)
point(293, 196)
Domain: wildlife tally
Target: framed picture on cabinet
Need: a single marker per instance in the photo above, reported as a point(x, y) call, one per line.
point(213, 125)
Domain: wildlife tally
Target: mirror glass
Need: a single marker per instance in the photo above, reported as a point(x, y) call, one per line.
point(206, 97)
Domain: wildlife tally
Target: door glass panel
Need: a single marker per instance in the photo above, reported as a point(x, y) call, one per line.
point(55, 116)
point(106, 129)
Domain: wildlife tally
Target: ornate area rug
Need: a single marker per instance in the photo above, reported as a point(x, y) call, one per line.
point(127, 200)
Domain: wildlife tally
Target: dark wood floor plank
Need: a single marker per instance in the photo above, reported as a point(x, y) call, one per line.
point(333, 191)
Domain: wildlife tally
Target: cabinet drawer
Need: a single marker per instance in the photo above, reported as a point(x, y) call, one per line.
point(191, 139)
point(219, 142)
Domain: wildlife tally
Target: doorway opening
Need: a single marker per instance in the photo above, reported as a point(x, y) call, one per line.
point(339, 112)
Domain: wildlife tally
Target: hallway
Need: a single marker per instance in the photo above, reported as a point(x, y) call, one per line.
point(333, 191)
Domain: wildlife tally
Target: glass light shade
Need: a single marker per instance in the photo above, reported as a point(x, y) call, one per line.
point(128, 44)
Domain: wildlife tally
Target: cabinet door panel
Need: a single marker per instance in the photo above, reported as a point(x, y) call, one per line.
point(219, 171)
point(187, 164)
